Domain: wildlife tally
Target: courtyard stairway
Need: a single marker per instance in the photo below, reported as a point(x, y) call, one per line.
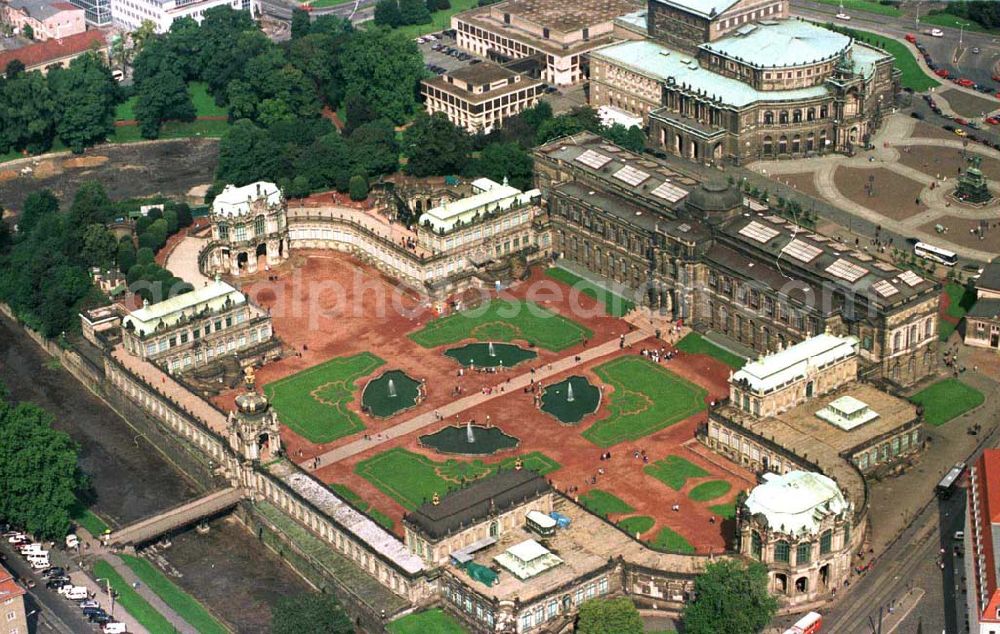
point(468, 402)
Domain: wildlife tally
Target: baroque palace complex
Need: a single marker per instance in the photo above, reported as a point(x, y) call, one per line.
point(833, 329)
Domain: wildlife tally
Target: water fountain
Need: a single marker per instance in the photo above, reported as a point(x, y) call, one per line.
point(390, 393)
point(493, 351)
point(392, 389)
point(472, 440)
point(469, 434)
point(569, 392)
point(570, 400)
point(490, 355)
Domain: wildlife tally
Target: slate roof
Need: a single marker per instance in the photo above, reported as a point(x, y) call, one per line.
point(985, 309)
point(989, 279)
point(464, 507)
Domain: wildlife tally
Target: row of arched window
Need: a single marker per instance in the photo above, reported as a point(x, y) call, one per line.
point(796, 144)
point(796, 115)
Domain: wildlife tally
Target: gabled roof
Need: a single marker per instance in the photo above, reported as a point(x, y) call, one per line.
point(213, 296)
point(989, 279)
point(779, 368)
point(464, 507)
point(43, 53)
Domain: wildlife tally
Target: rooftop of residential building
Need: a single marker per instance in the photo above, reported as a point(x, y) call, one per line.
point(35, 56)
point(42, 9)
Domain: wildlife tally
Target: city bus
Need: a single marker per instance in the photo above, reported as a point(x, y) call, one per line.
point(947, 484)
point(931, 252)
point(811, 623)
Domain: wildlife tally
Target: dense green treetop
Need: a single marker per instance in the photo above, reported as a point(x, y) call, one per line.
point(384, 67)
point(732, 597)
point(435, 147)
point(601, 616)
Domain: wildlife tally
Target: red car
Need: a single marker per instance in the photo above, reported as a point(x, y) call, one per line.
point(966, 83)
point(961, 121)
point(941, 72)
point(912, 39)
point(992, 120)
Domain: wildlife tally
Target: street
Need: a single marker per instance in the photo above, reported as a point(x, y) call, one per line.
point(52, 613)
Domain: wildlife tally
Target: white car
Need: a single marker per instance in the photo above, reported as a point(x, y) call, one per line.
point(937, 33)
point(16, 537)
point(843, 16)
point(89, 603)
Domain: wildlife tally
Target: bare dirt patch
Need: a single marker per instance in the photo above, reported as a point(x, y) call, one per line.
point(968, 105)
point(46, 169)
point(928, 131)
point(946, 162)
point(803, 183)
point(8, 175)
point(895, 195)
point(85, 161)
point(960, 232)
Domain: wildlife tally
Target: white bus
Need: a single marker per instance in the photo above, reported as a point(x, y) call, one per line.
point(931, 252)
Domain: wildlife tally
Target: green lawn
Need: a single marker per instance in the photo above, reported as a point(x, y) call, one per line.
point(320, 4)
point(179, 601)
point(864, 5)
point(725, 511)
point(709, 490)
point(204, 104)
point(440, 20)
point(636, 524)
point(674, 471)
point(359, 503)
point(88, 519)
point(693, 343)
point(502, 320)
point(172, 130)
point(960, 300)
point(940, 18)
point(434, 621)
point(615, 305)
point(412, 479)
point(313, 403)
point(131, 602)
point(913, 76)
point(666, 539)
point(603, 503)
point(947, 399)
point(646, 398)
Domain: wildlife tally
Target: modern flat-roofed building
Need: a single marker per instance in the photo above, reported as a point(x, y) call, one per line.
point(46, 18)
point(735, 80)
point(56, 52)
point(130, 14)
point(96, 13)
point(193, 329)
point(982, 535)
point(561, 33)
point(481, 96)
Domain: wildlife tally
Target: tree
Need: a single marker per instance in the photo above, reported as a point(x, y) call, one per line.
point(145, 256)
point(28, 32)
point(36, 206)
point(85, 96)
point(358, 111)
point(173, 222)
point(38, 469)
point(300, 23)
point(310, 614)
point(28, 116)
point(326, 163)
point(98, 247)
point(384, 67)
point(358, 187)
point(730, 596)
point(142, 35)
point(387, 14)
point(435, 147)
point(599, 616)
point(126, 256)
point(246, 155)
point(498, 161)
point(90, 205)
point(183, 211)
point(631, 138)
point(163, 97)
point(414, 12)
point(373, 148)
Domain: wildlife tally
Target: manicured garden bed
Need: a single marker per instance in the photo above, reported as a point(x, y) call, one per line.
point(674, 471)
point(709, 490)
point(668, 540)
point(603, 503)
point(434, 621)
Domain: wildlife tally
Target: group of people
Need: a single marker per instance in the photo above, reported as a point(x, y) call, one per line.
point(658, 355)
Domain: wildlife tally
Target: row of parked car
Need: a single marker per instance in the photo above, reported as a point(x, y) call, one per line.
point(56, 578)
point(943, 73)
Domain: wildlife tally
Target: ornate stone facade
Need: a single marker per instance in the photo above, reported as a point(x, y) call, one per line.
point(249, 229)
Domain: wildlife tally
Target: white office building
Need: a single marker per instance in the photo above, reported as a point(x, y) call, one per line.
point(130, 14)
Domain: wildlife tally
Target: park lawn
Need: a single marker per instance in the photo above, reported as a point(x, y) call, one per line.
point(725, 511)
point(412, 479)
point(603, 503)
point(436, 621)
point(313, 403)
point(636, 524)
point(204, 104)
point(674, 471)
point(322, 4)
point(646, 398)
point(440, 20)
point(667, 539)
point(942, 18)
point(693, 343)
point(359, 503)
point(502, 320)
point(614, 304)
point(179, 601)
point(88, 519)
point(709, 490)
point(172, 130)
point(947, 399)
point(913, 76)
point(132, 602)
point(864, 5)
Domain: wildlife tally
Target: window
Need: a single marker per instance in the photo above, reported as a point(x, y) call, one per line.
point(755, 545)
point(223, 231)
point(259, 226)
point(825, 542)
point(781, 551)
point(803, 553)
point(847, 534)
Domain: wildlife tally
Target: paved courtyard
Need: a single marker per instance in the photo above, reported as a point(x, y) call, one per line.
point(912, 161)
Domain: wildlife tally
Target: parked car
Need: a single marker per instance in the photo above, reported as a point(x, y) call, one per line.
point(975, 50)
point(961, 132)
point(57, 582)
point(936, 33)
point(843, 16)
point(911, 38)
point(992, 120)
point(974, 125)
point(965, 83)
point(941, 72)
point(93, 610)
point(89, 604)
point(949, 128)
point(114, 627)
point(16, 536)
point(961, 121)
point(100, 619)
point(53, 572)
